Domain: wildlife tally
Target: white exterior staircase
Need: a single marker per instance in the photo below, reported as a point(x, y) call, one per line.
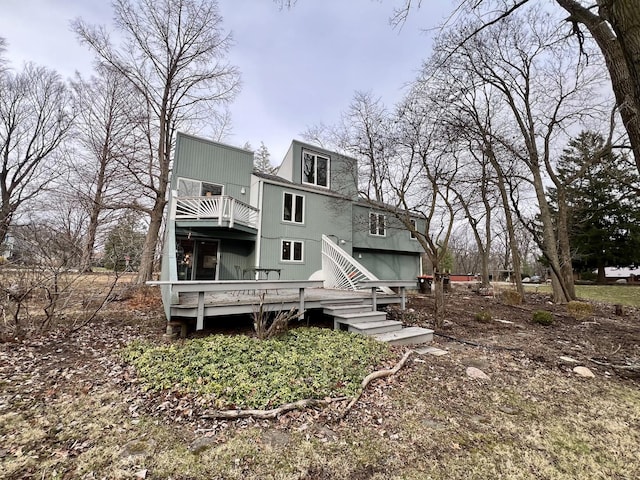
point(340, 270)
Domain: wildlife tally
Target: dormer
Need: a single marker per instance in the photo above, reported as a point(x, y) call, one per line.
point(313, 166)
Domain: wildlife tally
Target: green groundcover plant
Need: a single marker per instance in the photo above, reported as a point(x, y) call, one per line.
point(237, 371)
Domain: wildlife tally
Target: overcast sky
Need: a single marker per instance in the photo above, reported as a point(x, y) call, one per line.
point(299, 67)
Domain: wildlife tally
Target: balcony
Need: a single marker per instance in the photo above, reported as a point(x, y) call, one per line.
point(227, 211)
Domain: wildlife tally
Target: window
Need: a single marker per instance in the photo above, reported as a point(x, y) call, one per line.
point(377, 224)
point(293, 208)
point(315, 169)
point(414, 224)
point(196, 188)
point(291, 251)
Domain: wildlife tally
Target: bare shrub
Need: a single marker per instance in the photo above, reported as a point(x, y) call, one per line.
point(483, 316)
point(580, 310)
point(271, 324)
point(510, 297)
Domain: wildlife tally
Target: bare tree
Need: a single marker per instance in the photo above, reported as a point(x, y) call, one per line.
point(524, 60)
point(106, 133)
point(35, 119)
point(172, 52)
point(611, 24)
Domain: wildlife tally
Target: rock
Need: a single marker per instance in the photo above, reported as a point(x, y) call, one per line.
point(199, 445)
point(583, 372)
point(474, 372)
point(569, 359)
point(141, 473)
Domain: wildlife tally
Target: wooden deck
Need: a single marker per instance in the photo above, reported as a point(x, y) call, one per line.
point(203, 299)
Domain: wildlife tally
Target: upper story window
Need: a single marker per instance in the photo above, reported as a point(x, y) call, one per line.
point(315, 169)
point(414, 224)
point(377, 224)
point(293, 208)
point(196, 188)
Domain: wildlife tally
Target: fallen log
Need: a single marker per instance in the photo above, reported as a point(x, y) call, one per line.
point(373, 376)
point(272, 413)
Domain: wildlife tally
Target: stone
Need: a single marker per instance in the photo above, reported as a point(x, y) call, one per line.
point(141, 473)
point(474, 372)
point(506, 322)
point(431, 351)
point(583, 372)
point(568, 359)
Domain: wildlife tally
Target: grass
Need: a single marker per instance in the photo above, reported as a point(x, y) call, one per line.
point(243, 372)
point(614, 294)
point(556, 427)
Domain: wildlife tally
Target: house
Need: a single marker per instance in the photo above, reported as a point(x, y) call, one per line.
point(228, 223)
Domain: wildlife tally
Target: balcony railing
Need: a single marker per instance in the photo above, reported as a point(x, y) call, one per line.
point(226, 210)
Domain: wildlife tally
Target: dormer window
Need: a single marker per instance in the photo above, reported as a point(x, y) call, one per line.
point(315, 169)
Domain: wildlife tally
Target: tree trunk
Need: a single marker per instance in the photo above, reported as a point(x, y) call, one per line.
point(438, 299)
point(602, 275)
point(564, 247)
point(96, 208)
point(147, 257)
point(511, 233)
point(549, 245)
point(620, 48)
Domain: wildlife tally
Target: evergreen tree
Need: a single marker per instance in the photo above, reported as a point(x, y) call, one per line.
point(604, 221)
point(123, 247)
point(261, 161)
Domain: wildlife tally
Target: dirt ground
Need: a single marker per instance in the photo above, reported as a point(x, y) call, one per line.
point(69, 408)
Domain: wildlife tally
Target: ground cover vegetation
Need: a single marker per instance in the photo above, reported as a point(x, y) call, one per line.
point(76, 406)
point(244, 372)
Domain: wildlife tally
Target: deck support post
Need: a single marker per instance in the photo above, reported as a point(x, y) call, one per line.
point(200, 317)
point(374, 298)
point(301, 305)
point(403, 298)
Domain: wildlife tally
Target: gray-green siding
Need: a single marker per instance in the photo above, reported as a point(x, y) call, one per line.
point(342, 169)
point(397, 237)
point(323, 215)
point(389, 266)
point(213, 162)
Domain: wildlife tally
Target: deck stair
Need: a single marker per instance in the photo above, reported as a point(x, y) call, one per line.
point(359, 318)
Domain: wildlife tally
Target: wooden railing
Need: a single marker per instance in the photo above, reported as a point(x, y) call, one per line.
point(223, 208)
point(202, 287)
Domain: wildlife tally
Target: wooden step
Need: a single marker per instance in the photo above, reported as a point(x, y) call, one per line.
point(373, 328)
point(342, 321)
point(406, 336)
point(334, 310)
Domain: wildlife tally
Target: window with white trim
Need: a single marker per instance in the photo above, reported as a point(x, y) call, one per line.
point(291, 250)
point(292, 208)
point(315, 169)
point(377, 224)
point(414, 224)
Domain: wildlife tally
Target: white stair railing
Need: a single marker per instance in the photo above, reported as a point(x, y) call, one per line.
point(341, 270)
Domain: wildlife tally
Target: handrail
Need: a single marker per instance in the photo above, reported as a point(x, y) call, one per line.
point(220, 207)
point(209, 286)
point(342, 271)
